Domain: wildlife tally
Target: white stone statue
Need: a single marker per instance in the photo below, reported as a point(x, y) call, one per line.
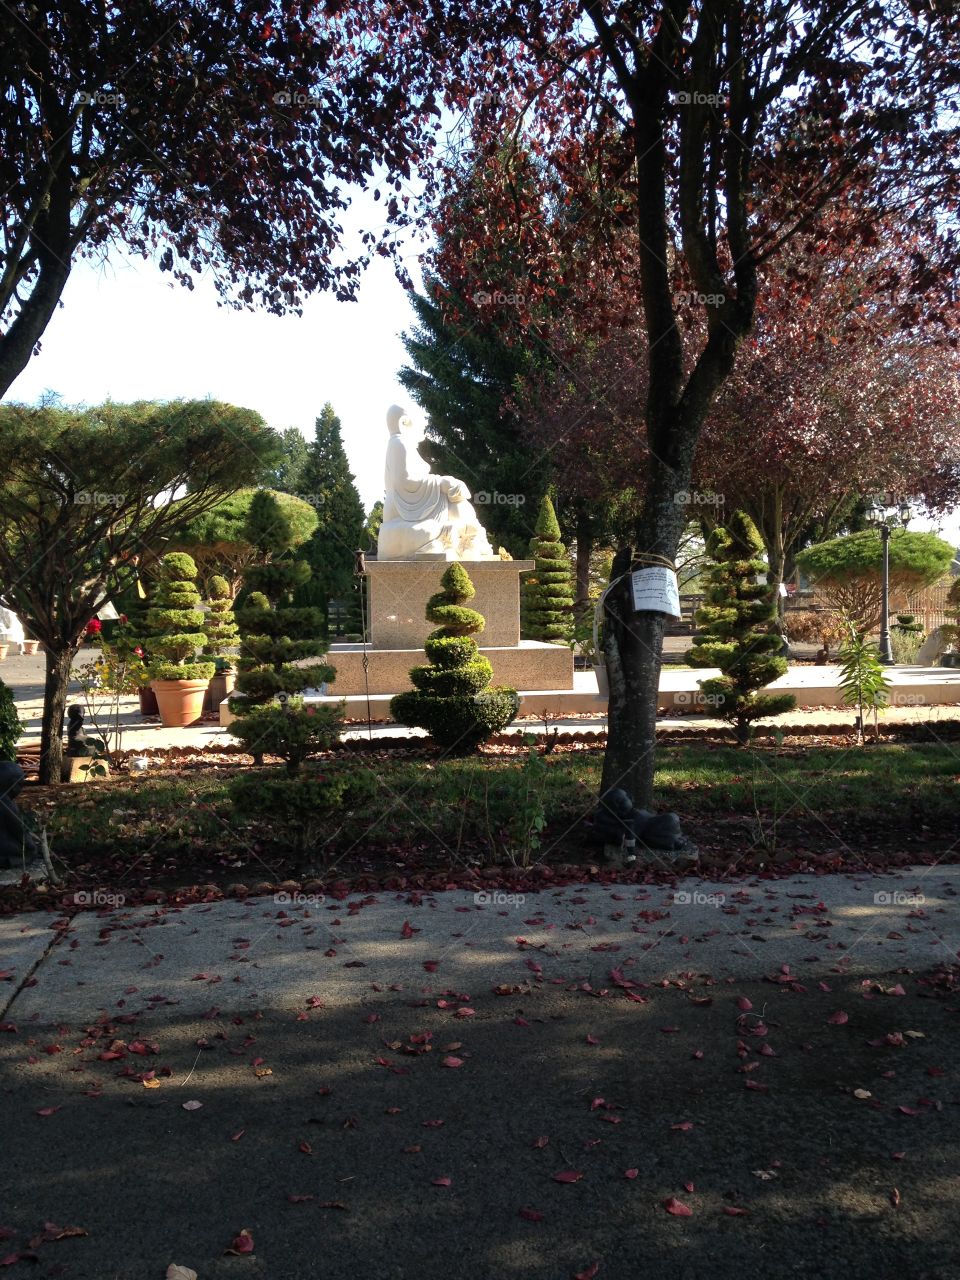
point(424, 515)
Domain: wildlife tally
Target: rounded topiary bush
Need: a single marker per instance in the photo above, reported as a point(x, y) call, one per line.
point(451, 698)
point(175, 623)
point(221, 626)
point(546, 597)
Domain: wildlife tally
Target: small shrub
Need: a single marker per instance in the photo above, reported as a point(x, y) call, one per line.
point(863, 681)
point(10, 725)
point(292, 731)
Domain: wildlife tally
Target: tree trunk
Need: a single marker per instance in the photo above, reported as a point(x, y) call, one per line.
point(633, 644)
point(55, 691)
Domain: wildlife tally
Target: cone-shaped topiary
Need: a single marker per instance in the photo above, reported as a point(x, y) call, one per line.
point(175, 623)
point(737, 631)
point(275, 639)
point(451, 698)
point(546, 597)
point(222, 629)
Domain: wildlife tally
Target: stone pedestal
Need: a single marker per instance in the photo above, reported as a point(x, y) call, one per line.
point(529, 664)
point(399, 591)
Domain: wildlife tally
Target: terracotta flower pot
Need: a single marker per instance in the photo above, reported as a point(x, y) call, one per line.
point(148, 701)
point(29, 647)
point(180, 701)
point(4, 649)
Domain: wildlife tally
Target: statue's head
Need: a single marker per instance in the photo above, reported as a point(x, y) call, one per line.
point(398, 420)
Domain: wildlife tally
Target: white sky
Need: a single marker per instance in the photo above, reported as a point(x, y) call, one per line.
point(126, 332)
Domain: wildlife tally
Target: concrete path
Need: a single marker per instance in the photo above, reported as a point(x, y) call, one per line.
point(276, 952)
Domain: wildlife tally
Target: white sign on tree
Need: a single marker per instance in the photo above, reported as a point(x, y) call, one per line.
point(655, 590)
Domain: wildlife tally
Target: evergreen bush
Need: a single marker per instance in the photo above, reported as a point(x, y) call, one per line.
point(276, 640)
point(451, 698)
point(546, 597)
point(737, 630)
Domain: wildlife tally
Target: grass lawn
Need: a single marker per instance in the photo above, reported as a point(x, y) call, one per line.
point(759, 805)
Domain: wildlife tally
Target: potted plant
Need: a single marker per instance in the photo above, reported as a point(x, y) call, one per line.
point(4, 650)
point(175, 624)
point(222, 632)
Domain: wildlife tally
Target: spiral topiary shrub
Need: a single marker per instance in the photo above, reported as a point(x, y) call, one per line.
point(737, 630)
point(546, 597)
point(451, 698)
point(175, 623)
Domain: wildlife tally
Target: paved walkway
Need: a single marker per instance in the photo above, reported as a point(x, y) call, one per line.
point(278, 952)
point(914, 687)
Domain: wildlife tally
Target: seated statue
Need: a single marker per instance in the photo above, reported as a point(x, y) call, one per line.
point(79, 742)
point(424, 515)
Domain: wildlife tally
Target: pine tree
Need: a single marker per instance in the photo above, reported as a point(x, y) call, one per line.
point(461, 374)
point(451, 698)
point(546, 597)
point(327, 483)
point(287, 475)
point(738, 630)
point(276, 638)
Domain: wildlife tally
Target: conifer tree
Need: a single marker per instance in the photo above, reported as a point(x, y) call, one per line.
point(738, 631)
point(461, 375)
point(326, 482)
point(546, 596)
point(451, 698)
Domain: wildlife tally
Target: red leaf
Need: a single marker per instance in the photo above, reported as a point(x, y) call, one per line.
point(895, 1198)
point(300, 1199)
point(242, 1243)
point(588, 1273)
point(451, 1061)
point(592, 1040)
point(531, 1215)
point(839, 1018)
point(305, 1147)
point(684, 1125)
point(442, 1182)
point(568, 1175)
point(541, 1142)
point(48, 1111)
point(732, 1211)
point(408, 930)
point(677, 1208)
point(744, 1004)
point(630, 1173)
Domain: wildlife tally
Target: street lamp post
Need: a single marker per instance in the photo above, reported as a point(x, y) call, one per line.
point(886, 516)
